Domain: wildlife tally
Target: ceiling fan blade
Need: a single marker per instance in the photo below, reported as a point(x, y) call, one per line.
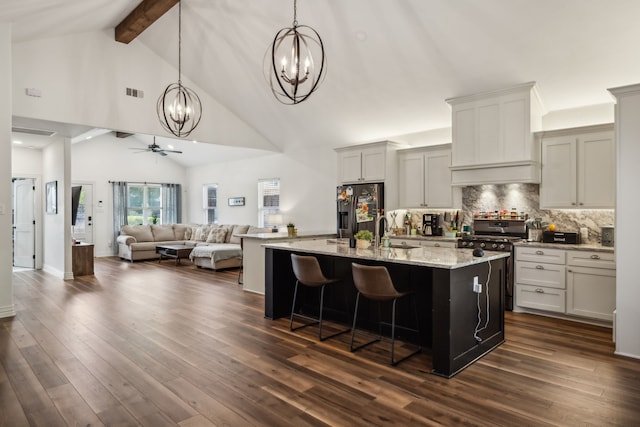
point(162, 153)
point(172, 151)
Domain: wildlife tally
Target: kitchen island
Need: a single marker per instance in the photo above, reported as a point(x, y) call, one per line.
point(443, 282)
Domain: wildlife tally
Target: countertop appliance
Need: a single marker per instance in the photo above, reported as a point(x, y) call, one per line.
point(431, 225)
point(607, 234)
point(497, 235)
point(358, 206)
point(561, 237)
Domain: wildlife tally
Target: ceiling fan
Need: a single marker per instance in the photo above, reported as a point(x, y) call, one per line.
point(155, 148)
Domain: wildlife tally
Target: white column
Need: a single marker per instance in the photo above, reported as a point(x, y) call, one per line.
point(6, 288)
point(627, 231)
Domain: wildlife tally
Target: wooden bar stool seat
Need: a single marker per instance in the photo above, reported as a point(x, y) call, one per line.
point(308, 273)
point(374, 283)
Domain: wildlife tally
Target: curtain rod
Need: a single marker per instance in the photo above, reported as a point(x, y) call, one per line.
point(145, 183)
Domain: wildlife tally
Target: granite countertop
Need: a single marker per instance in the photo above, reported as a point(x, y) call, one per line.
point(438, 257)
point(595, 247)
point(282, 235)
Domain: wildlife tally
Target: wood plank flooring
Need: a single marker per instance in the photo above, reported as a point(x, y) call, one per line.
point(164, 345)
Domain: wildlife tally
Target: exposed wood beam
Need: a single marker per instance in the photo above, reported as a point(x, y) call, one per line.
point(145, 14)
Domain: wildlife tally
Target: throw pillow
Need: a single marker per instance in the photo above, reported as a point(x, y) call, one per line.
point(201, 234)
point(217, 235)
point(238, 229)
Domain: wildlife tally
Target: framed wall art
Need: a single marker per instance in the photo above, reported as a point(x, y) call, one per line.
point(236, 201)
point(51, 189)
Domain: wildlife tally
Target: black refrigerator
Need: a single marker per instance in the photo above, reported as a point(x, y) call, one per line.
point(358, 206)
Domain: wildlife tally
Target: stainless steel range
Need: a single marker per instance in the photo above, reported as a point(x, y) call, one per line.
point(497, 235)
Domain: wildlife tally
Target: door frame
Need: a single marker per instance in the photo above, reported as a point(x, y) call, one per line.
point(93, 205)
point(37, 206)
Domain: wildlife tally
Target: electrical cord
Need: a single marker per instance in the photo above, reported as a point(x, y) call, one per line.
point(486, 323)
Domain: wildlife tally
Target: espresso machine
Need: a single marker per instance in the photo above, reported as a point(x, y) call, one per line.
point(431, 225)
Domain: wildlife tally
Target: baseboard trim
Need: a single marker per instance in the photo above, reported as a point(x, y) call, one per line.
point(7, 311)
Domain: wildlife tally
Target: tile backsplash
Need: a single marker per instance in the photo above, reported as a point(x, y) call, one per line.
point(525, 198)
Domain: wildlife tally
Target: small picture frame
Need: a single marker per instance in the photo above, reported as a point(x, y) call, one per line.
point(51, 189)
point(236, 201)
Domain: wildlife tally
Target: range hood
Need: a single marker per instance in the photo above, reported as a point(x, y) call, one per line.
point(493, 137)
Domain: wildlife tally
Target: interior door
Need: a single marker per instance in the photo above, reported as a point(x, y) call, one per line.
point(24, 227)
point(83, 230)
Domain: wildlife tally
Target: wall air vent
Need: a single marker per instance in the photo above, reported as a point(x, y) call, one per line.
point(33, 131)
point(136, 93)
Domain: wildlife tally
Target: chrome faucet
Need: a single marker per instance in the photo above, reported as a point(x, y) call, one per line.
point(379, 222)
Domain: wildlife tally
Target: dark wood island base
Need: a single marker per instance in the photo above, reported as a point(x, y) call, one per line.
point(447, 303)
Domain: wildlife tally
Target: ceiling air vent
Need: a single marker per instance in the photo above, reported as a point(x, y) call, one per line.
point(136, 93)
point(33, 131)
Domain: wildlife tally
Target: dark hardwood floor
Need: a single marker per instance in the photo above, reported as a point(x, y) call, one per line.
point(159, 344)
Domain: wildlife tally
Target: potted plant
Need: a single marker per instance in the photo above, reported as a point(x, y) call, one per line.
point(363, 239)
point(291, 230)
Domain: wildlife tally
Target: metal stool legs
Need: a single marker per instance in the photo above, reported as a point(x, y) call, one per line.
point(314, 321)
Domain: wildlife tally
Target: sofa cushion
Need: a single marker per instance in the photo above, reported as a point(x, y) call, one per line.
point(238, 229)
point(163, 233)
point(179, 231)
point(142, 233)
point(200, 234)
point(217, 235)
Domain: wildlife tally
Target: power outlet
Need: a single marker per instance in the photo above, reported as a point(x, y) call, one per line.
point(477, 286)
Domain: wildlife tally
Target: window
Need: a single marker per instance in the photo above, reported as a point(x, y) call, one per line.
point(268, 200)
point(210, 203)
point(144, 204)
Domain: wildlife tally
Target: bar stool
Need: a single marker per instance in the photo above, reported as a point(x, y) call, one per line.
point(374, 283)
point(308, 273)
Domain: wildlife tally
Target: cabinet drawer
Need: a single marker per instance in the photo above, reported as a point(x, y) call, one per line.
point(541, 274)
point(543, 255)
point(591, 259)
point(437, 244)
point(538, 297)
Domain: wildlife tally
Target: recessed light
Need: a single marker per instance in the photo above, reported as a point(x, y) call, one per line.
point(170, 147)
point(195, 142)
point(17, 142)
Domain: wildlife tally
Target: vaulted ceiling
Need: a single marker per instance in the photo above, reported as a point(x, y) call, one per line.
point(391, 63)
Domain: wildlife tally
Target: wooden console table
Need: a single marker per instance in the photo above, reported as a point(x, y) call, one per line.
point(82, 259)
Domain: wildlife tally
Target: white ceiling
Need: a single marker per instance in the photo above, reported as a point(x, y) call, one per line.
point(391, 63)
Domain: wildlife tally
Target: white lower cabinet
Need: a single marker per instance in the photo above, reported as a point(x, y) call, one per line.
point(578, 283)
point(591, 285)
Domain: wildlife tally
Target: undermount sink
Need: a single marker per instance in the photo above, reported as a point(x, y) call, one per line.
point(404, 247)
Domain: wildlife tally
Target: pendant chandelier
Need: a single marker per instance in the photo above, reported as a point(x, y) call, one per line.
point(293, 73)
point(179, 108)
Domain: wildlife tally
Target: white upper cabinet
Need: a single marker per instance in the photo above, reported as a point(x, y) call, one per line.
point(493, 140)
point(373, 162)
point(578, 168)
point(362, 163)
point(424, 178)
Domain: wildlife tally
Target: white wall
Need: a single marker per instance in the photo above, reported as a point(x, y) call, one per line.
point(307, 188)
point(627, 231)
point(6, 288)
point(83, 80)
point(107, 158)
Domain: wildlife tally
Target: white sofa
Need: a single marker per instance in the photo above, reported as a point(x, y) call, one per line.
point(215, 246)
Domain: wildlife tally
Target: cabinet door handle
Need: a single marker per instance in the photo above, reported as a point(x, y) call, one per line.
point(539, 253)
point(569, 271)
point(540, 291)
point(581, 204)
point(595, 256)
point(539, 267)
point(573, 203)
point(437, 245)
